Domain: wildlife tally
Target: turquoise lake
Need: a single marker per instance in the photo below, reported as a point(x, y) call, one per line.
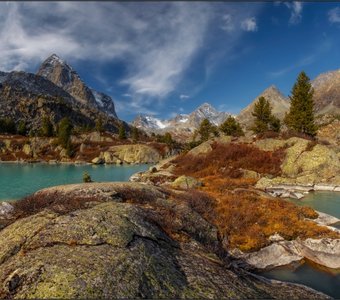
point(20, 180)
point(327, 202)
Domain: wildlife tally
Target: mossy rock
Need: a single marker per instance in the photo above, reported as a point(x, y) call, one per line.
point(187, 182)
point(118, 250)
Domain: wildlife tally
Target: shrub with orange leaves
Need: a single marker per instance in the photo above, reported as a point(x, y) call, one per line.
point(227, 159)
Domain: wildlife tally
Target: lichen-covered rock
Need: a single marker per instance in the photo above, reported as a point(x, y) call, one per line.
point(118, 250)
point(249, 174)
point(27, 149)
point(270, 144)
point(201, 149)
point(97, 161)
point(289, 166)
point(186, 182)
point(5, 209)
point(109, 157)
point(136, 153)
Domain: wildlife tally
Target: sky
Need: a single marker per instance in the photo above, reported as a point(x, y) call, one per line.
point(165, 58)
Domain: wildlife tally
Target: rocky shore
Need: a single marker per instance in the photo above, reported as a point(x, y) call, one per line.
point(318, 171)
point(122, 243)
point(91, 148)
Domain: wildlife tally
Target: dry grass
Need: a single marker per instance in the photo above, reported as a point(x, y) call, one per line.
point(226, 159)
point(243, 216)
point(57, 202)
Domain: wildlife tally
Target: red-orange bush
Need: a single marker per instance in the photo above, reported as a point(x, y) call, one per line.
point(224, 159)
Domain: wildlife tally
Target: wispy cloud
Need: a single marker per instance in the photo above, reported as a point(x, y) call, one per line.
point(158, 43)
point(228, 23)
point(304, 61)
point(249, 24)
point(184, 97)
point(334, 15)
point(301, 63)
point(156, 46)
point(295, 12)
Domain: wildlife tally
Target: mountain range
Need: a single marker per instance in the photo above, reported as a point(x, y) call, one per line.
point(183, 124)
point(56, 91)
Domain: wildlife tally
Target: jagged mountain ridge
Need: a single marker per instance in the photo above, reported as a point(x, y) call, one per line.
point(29, 97)
point(182, 123)
point(280, 105)
point(63, 75)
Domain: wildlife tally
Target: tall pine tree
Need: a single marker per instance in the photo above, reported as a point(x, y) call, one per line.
point(264, 120)
point(301, 114)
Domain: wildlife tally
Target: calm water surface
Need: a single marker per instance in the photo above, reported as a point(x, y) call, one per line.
point(317, 277)
point(327, 202)
point(19, 180)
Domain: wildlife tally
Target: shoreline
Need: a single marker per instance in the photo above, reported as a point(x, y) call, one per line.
point(299, 191)
point(76, 163)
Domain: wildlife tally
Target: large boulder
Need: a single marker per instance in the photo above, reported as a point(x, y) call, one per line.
point(325, 252)
point(186, 182)
point(274, 255)
point(137, 153)
point(117, 249)
point(270, 144)
point(203, 148)
point(305, 163)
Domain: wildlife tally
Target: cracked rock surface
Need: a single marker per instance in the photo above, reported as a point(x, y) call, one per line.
point(115, 249)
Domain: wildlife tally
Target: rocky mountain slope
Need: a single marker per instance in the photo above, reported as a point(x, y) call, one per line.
point(63, 75)
point(122, 240)
point(182, 124)
point(29, 97)
point(280, 105)
point(327, 92)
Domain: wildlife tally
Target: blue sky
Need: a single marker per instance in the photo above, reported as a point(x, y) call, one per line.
point(167, 58)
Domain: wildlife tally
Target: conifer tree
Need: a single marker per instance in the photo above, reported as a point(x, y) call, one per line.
point(264, 119)
point(262, 114)
point(64, 134)
point(231, 127)
point(135, 134)
point(168, 139)
point(300, 117)
point(206, 129)
point(46, 127)
point(122, 132)
point(22, 129)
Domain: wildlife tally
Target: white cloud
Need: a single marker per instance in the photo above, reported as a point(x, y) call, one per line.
point(228, 23)
point(295, 12)
point(249, 24)
point(183, 97)
point(157, 43)
point(334, 15)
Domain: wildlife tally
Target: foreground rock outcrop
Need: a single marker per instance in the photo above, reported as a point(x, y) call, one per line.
point(115, 244)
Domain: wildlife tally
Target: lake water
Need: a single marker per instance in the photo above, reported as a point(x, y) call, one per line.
point(19, 180)
point(318, 277)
